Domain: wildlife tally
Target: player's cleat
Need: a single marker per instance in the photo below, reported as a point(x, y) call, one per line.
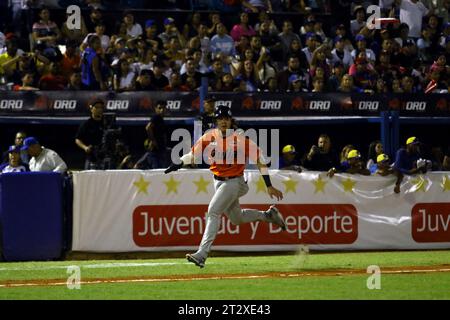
point(274, 216)
point(199, 262)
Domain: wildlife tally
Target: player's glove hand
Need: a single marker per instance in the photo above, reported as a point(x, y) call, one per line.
point(173, 167)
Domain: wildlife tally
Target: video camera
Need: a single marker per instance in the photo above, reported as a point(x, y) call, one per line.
point(106, 154)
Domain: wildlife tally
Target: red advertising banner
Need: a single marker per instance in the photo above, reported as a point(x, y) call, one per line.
point(172, 225)
point(431, 222)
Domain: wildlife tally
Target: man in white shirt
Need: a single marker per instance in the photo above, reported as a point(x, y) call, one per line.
point(134, 30)
point(43, 159)
point(412, 13)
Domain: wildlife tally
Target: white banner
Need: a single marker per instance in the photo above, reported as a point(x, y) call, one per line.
point(124, 211)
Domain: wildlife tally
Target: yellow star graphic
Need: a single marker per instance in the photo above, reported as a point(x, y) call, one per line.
point(445, 183)
point(202, 185)
point(419, 184)
point(141, 185)
point(348, 185)
point(260, 185)
point(319, 185)
point(290, 184)
point(172, 185)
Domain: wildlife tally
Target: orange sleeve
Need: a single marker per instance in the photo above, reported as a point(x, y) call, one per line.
point(202, 143)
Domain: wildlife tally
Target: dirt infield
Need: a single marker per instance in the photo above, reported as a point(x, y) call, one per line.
point(197, 277)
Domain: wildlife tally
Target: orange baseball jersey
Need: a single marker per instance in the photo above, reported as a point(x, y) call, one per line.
point(227, 156)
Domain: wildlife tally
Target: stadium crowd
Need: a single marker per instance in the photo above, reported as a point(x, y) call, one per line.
point(410, 53)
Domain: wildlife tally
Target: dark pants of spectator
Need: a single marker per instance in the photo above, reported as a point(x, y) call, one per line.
point(153, 160)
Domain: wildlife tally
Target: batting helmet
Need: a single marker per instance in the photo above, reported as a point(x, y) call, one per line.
point(222, 111)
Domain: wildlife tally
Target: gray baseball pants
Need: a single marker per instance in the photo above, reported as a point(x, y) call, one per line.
point(226, 200)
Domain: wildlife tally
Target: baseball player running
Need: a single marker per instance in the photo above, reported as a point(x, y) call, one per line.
point(229, 184)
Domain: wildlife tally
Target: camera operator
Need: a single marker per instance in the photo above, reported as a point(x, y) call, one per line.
point(157, 155)
point(90, 135)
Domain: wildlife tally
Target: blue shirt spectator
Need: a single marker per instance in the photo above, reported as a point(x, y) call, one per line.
point(406, 158)
point(222, 43)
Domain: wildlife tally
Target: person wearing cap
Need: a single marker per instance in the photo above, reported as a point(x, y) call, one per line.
point(361, 46)
point(43, 159)
point(406, 159)
point(383, 168)
point(353, 165)
point(288, 159)
point(156, 144)
point(227, 152)
point(340, 53)
point(171, 31)
point(311, 45)
point(321, 157)
point(151, 35)
point(14, 163)
point(295, 84)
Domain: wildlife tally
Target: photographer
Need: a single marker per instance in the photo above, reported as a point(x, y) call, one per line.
point(321, 157)
point(90, 134)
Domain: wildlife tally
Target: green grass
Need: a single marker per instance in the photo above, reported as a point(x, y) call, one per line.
point(405, 286)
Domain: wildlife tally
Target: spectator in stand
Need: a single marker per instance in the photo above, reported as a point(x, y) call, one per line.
point(214, 19)
point(95, 17)
point(256, 6)
point(446, 161)
point(375, 149)
point(343, 156)
point(75, 83)
point(14, 163)
point(171, 31)
point(296, 50)
point(363, 73)
point(90, 134)
point(176, 84)
point(270, 41)
point(319, 61)
point(412, 12)
point(222, 43)
point(383, 168)
point(27, 83)
point(293, 68)
point(227, 84)
point(192, 25)
point(425, 46)
point(71, 59)
point(288, 159)
point(381, 86)
point(46, 31)
point(287, 36)
point(407, 84)
point(249, 74)
point(156, 144)
point(144, 81)
point(321, 157)
point(18, 142)
point(444, 35)
point(124, 77)
point(43, 159)
point(265, 67)
point(347, 85)
point(361, 44)
point(360, 20)
point(191, 71)
point(93, 66)
point(134, 30)
point(215, 74)
point(159, 80)
point(307, 27)
point(296, 84)
point(53, 80)
point(353, 165)
point(311, 45)
point(407, 159)
point(334, 81)
point(318, 85)
point(9, 59)
point(264, 16)
point(99, 32)
point(242, 29)
point(271, 85)
point(74, 34)
point(151, 36)
point(340, 53)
